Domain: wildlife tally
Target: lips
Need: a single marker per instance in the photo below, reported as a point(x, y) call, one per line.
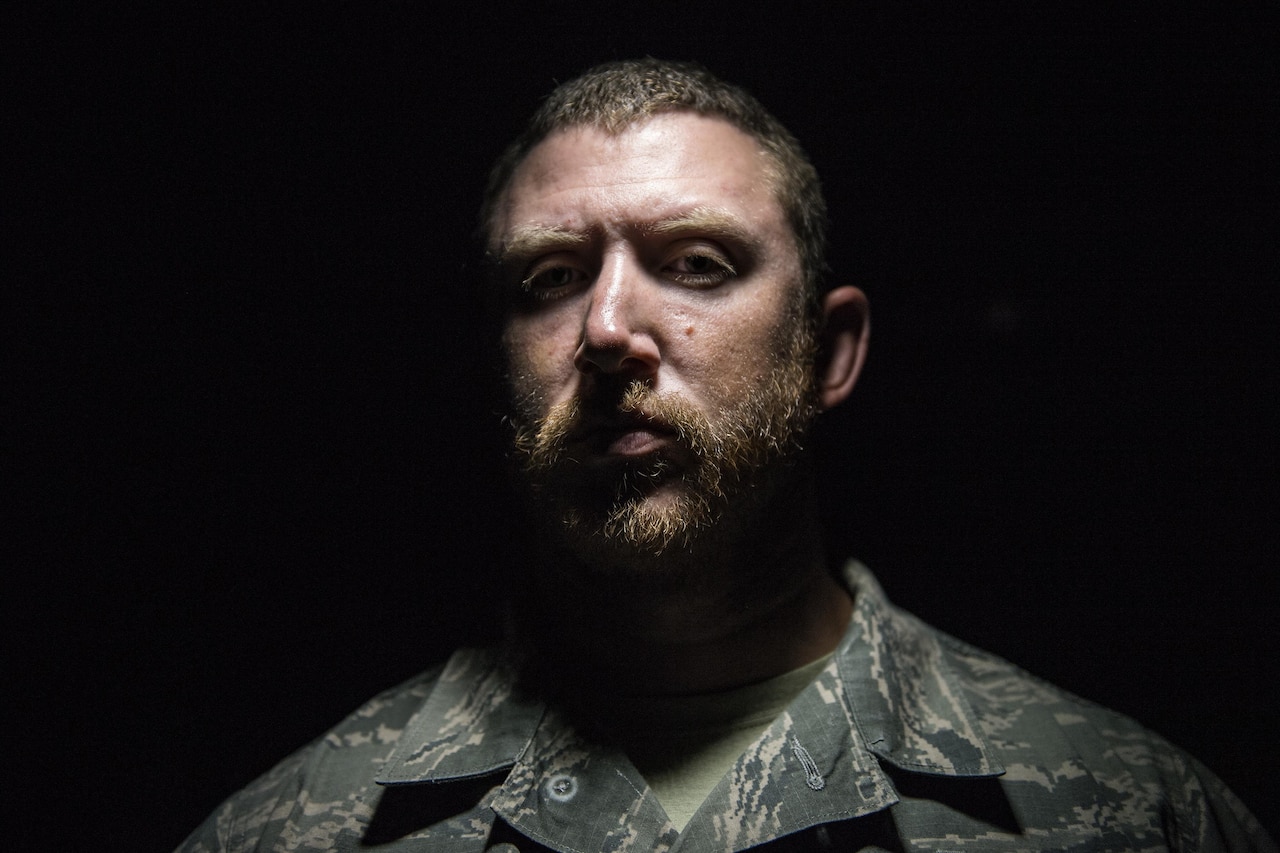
point(626, 436)
point(637, 442)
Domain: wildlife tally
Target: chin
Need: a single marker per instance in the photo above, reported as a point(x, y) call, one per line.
point(664, 525)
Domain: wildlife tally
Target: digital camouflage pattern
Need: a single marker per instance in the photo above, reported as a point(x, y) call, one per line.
point(908, 740)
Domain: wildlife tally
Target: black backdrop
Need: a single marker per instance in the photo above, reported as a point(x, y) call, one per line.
point(253, 449)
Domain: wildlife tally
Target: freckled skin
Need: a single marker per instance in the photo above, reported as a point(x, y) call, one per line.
point(709, 344)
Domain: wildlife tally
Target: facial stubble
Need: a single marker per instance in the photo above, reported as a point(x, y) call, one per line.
point(716, 467)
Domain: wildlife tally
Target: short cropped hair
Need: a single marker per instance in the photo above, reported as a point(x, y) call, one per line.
point(616, 95)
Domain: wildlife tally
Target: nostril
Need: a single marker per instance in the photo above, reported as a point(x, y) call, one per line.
point(613, 341)
point(616, 364)
point(589, 359)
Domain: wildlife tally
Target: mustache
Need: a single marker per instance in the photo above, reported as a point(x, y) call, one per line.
point(637, 406)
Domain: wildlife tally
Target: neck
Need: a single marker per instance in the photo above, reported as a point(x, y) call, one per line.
point(753, 602)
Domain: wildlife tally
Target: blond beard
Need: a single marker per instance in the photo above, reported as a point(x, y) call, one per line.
point(730, 456)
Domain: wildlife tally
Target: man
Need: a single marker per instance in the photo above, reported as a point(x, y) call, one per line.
point(683, 669)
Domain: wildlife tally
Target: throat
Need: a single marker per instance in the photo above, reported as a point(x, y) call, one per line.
point(600, 637)
point(750, 600)
point(683, 745)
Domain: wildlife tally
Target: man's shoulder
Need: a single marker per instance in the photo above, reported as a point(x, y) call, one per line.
point(928, 702)
point(996, 683)
point(380, 720)
point(1013, 706)
point(336, 769)
point(1055, 744)
point(1018, 707)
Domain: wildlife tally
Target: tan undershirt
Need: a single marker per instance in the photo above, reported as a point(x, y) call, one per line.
point(683, 745)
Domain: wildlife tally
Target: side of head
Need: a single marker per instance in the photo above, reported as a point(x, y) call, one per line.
point(616, 95)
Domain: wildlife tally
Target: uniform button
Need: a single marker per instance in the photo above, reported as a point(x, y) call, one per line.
point(562, 787)
point(504, 847)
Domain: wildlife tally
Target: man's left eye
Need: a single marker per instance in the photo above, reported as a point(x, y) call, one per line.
point(701, 269)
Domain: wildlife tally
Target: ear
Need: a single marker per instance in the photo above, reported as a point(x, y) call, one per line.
point(846, 325)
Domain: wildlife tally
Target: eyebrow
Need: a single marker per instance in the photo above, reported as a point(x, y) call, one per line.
point(527, 241)
point(705, 220)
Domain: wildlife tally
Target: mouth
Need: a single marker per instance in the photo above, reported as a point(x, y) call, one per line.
point(629, 437)
point(636, 442)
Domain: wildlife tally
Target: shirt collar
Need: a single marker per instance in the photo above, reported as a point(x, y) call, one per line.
point(475, 722)
point(907, 705)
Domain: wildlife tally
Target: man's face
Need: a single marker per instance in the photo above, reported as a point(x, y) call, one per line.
point(657, 356)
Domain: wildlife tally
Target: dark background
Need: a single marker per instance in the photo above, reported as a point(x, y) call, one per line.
point(253, 451)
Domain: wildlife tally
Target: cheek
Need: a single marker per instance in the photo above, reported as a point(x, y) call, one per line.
point(737, 350)
point(749, 334)
point(536, 357)
point(723, 357)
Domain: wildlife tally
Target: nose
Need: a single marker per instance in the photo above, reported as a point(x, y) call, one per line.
point(617, 334)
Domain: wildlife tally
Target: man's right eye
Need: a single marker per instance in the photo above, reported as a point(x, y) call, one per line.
point(550, 280)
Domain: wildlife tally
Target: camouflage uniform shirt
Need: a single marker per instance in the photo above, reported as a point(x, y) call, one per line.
point(908, 740)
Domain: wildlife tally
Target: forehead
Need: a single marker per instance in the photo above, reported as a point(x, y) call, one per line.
point(585, 178)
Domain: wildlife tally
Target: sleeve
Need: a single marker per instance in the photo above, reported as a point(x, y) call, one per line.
point(1219, 820)
point(246, 820)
